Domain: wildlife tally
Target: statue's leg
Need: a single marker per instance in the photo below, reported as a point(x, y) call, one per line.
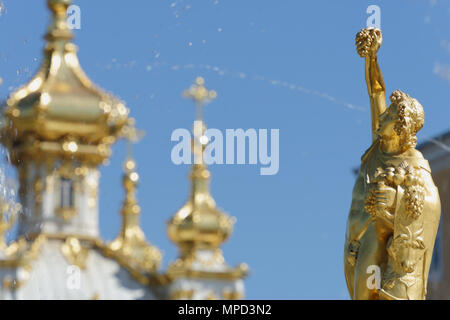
point(370, 263)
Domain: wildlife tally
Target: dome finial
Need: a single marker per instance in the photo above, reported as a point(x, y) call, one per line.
point(201, 96)
point(59, 29)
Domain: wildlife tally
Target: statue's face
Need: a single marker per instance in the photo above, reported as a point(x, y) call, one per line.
point(409, 251)
point(407, 258)
point(388, 120)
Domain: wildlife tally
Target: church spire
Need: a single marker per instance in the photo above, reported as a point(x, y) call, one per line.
point(130, 247)
point(199, 228)
point(199, 224)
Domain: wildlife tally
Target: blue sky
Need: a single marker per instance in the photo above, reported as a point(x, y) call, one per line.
point(261, 57)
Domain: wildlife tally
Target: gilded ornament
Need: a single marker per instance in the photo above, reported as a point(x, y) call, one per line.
point(182, 295)
point(232, 295)
point(74, 252)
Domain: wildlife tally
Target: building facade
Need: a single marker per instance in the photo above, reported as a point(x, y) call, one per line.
point(437, 151)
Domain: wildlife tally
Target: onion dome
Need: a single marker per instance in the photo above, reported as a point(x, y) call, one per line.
point(60, 111)
point(199, 223)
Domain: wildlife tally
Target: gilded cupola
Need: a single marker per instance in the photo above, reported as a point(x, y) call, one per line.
point(60, 111)
point(199, 224)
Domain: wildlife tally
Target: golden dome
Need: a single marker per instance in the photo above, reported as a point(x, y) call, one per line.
point(60, 110)
point(199, 223)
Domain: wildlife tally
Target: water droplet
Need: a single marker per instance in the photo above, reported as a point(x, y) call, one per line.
point(219, 29)
point(155, 54)
point(2, 8)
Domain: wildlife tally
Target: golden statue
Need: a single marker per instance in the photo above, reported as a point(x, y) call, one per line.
point(395, 210)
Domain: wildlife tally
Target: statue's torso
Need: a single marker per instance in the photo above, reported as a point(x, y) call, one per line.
point(375, 239)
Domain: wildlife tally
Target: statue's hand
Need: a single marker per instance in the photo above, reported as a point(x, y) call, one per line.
point(384, 197)
point(368, 41)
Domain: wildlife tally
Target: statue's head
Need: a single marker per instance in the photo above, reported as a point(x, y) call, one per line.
point(403, 118)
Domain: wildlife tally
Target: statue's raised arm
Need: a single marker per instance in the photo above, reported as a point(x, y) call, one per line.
point(368, 41)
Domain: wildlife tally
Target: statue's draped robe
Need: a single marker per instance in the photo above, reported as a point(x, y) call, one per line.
point(374, 242)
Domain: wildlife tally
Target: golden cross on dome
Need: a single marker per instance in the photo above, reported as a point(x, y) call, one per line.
point(201, 96)
point(198, 93)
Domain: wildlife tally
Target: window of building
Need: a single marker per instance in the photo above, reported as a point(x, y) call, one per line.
point(66, 193)
point(65, 199)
